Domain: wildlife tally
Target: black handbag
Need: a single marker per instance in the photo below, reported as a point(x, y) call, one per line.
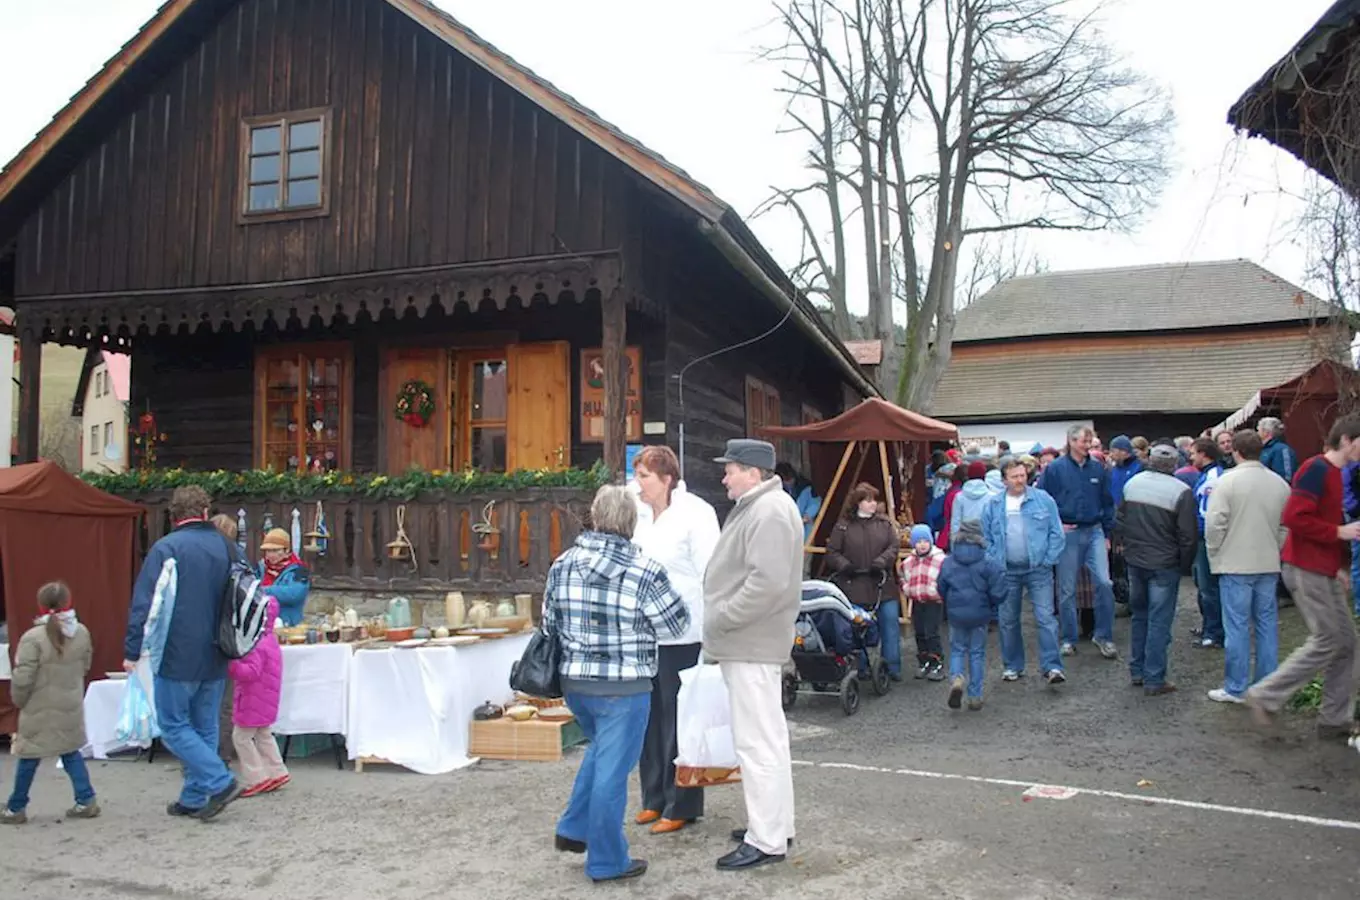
point(537, 672)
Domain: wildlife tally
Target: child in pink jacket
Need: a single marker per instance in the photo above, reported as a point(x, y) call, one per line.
point(259, 681)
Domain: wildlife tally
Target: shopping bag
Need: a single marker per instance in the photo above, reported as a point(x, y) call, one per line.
point(706, 755)
point(137, 725)
point(537, 672)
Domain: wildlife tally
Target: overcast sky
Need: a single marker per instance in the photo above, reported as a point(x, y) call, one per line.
point(683, 79)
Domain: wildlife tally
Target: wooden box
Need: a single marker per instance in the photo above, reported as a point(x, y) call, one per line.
point(536, 740)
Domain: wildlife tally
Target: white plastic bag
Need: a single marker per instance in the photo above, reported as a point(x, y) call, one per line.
point(137, 725)
point(706, 755)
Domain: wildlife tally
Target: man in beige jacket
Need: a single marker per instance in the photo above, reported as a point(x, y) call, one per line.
point(752, 589)
point(1243, 536)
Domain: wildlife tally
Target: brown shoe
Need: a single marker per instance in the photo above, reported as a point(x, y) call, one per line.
point(1260, 716)
point(648, 816)
point(1159, 690)
point(666, 826)
point(1334, 733)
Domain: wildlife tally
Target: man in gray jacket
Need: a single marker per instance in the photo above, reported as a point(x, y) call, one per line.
point(751, 598)
point(1244, 536)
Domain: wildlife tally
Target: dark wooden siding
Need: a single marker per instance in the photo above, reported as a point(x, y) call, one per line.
point(201, 387)
point(432, 162)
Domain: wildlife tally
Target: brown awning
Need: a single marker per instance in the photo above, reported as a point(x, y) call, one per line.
point(871, 420)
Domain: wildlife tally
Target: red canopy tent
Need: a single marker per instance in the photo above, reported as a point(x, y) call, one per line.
point(877, 442)
point(55, 527)
point(1308, 404)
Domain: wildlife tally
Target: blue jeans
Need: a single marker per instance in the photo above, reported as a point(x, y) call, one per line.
point(1039, 582)
point(1249, 605)
point(615, 726)
point(73, 763)
point(188, 713)
point(1085, 547)
point(890, 633)
point(1210, 603)
point(968, 644)
point(1355, 575)
point(1152, 600)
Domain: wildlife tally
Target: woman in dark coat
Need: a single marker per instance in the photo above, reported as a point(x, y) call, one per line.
point(861, 555)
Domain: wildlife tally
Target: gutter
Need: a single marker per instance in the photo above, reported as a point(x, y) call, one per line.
point(742, 261)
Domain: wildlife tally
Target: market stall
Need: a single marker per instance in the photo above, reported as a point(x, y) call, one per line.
point(313, 700)
point(412, 707)
point(54, 527)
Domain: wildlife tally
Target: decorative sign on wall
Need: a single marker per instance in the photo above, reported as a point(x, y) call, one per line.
point(592, 394)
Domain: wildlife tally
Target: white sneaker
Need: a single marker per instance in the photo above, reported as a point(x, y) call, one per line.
point(1010, 675)
point(1218, 695)
point(1069, 649)
point(1107, 649)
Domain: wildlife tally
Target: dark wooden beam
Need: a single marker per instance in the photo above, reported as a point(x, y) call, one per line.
point(30, 379)
point(615, 338)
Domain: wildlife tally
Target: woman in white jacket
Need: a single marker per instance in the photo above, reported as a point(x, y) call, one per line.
point(678, 530)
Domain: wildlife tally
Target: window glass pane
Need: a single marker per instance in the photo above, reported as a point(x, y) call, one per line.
point(304, 192)
point(264, 196)
point(108, 434)
point(264, 168)
point(488, 449)
point(304, 164)
point(302, 135)
point(265, 140)
point(488, 391)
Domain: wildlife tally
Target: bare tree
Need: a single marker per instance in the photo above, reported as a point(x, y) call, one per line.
point(935, 121)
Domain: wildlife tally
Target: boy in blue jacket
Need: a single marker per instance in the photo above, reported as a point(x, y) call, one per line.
point(972, 587)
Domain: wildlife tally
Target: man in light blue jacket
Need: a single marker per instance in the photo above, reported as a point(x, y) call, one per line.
point(1024, 533)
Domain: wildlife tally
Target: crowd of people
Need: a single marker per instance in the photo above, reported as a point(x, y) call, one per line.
point(655, 586)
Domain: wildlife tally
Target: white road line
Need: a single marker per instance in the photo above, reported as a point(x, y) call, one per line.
point(1095, 792)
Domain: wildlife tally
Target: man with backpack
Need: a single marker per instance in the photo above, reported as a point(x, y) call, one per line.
point(185, 576)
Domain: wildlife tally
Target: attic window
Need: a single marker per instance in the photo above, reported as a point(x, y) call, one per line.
point(284, 165)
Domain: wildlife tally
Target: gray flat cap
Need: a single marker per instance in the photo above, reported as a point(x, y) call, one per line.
point(749, 452)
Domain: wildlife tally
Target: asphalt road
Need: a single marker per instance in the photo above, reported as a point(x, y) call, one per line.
point(1177, 797)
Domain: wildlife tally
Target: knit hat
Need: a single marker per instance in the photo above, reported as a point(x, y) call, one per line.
point(977, 469)
point(1037, 449)
point(921, 533)
point(276, 539)
point(970, 532)
point(1122, 443)
point(946, 470)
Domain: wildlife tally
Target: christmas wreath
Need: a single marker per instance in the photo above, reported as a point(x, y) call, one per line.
point(415, 404)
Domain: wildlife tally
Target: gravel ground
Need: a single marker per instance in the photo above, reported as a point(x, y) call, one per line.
point(875, 820)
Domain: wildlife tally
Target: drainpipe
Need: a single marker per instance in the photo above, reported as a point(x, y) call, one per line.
point(737, 255)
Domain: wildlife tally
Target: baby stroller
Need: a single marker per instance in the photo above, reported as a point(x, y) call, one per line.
point(834, 641)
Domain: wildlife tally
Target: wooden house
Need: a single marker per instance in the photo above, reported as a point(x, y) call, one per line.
point(288, 212)
point(1159, 351)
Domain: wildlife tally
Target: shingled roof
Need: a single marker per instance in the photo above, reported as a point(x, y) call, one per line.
point(1169, 297)
point(1209, 373)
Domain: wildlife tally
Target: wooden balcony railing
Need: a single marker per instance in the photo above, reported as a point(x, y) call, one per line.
point(473, 542)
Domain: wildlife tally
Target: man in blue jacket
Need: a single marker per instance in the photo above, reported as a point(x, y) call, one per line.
point(1081, 488)
point(1024, 535)
point(192, 672)
point(1276, 455)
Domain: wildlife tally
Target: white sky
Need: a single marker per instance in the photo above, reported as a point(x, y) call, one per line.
point(683, 79)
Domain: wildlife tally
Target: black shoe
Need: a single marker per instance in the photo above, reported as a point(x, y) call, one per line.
point(748, 857)
point(177, 809)
point(568, 845)
point(635, 869)
point(219, 801)
point(739, 835)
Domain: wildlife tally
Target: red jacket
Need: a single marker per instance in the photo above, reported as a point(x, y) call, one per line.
point(259, 678)
point(1312, 515)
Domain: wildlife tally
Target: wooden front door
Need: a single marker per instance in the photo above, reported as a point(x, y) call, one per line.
point(539, 415)
point(409, 445)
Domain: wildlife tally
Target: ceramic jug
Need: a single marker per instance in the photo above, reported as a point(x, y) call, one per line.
point(454, 610)
point(505, 609)
point(399, 613)
point(479, 612)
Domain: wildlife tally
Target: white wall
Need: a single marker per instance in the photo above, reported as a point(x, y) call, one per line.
point(1022, 435)
point(99, 412)
point(6, 397)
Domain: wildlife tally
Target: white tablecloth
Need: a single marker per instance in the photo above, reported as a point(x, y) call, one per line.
point(4, 662)
point(412, 707)
point(313, 699)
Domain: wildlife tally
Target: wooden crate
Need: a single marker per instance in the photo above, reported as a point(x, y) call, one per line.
point(536, 740)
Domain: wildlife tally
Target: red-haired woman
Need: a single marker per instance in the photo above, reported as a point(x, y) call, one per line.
point(861, 554)
point(678, 530)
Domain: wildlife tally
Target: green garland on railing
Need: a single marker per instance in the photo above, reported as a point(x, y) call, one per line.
point(263, 484)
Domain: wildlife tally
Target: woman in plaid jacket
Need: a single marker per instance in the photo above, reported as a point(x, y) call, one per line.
point(607, 604)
